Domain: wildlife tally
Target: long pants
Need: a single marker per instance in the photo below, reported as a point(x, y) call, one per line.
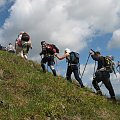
point(74, 69)
point(105, 78)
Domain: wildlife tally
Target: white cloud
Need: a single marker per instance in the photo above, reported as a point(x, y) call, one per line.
point(115, 41)
point(102, 15)
point(67, 23)
point(2, 2)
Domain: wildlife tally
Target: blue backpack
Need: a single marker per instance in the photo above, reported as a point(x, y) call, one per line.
point(74, 58)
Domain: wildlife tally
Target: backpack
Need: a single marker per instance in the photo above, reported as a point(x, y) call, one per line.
point(74, 58)
point(18, 42)
point(25, 37)
point(108, 64)
point(51, 48)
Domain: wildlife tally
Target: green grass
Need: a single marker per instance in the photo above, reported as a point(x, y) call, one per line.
point(29, 94)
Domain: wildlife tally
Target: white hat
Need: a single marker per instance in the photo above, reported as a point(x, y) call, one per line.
point(111, 57)
point(67, 50)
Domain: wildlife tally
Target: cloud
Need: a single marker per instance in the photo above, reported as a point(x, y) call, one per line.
point(115, 40)
point(2, 2)
point(102, 15)
point(66, 23)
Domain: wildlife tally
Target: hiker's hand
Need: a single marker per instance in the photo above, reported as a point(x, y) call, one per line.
point(31, 47)
point(41, 53)
point(91, 52)
point(55, 54)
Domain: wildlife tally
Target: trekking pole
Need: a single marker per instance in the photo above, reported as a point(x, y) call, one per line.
point(79, 69)
point(114, 72)
point(118, 66)
point(85, 66)
point(94, 70)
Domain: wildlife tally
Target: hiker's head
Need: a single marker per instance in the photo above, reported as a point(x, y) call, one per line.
point(97, 53)
point(10, 43)
point(43, 42)
point(67, 50)
point(20, 33)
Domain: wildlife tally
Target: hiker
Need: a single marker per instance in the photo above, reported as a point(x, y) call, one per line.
point(118, 67)
point(10, 48)
point(0, 47)
point(3, 48)
point(71, 67)
point(102, 74)
point(48, 56)
point(22, 44)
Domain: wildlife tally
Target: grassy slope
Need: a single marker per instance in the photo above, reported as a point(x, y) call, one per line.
point(29, 94)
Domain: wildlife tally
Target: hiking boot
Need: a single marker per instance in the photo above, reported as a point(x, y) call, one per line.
point(113, 98)
point(82, 86)
point(44, 71)
point(54, 72)
point(99, 92)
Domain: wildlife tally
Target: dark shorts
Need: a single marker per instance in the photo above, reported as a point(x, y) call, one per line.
point(49, 60)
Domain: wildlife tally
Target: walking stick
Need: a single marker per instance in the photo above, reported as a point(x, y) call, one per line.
point(85, 66)
point(118, 66)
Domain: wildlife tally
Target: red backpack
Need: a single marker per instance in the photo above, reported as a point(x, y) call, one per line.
point(25, 37)
point(51, 48)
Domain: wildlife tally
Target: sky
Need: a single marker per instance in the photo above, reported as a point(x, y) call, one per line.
point(79, 25)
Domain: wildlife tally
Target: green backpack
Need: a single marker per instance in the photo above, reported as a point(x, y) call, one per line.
point(108, 64)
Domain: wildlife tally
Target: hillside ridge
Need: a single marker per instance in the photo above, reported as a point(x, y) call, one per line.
point(26, 93)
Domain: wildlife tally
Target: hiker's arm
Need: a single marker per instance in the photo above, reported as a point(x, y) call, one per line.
point(30, 43)
point(95, 57)
point(61, 58)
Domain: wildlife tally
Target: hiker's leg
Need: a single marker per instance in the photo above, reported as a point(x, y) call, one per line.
point(96, 80)
point(21, 54)
point(25, 56)
point(51, 64)
point(108, 85)
point(68, 73)
point(76, 74)
point(95, 84)
point(53, 70)
point(28, 48)
point(43, 61)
